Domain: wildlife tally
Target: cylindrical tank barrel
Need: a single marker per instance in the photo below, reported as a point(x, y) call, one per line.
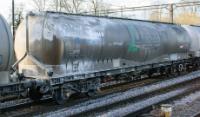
point(56, 38)
point(6, 51)
point(6, 45)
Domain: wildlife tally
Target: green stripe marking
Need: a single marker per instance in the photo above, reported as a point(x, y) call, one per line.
point(132, 46)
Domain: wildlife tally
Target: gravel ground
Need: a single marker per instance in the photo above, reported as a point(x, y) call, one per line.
point(125, 110)
point(110, 99)
point(37, 108)
point(188, 106)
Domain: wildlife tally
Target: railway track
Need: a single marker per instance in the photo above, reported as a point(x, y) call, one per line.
point(27, 106)
point(132, 100)
point(111, 89)
point(196, 114)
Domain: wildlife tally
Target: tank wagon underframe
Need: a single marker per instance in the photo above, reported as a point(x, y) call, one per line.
point(91, 82)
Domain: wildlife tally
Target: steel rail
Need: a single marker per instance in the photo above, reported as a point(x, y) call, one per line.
point(121, 96)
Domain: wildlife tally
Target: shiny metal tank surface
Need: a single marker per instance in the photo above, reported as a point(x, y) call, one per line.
point(70, 44)
point(6, 51)
point(194, 32)
point(6, 45)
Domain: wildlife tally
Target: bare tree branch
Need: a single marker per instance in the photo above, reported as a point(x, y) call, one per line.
point(76, 5)
point(40, 4)
point(97, 6)
point(66, 5)
point(72, 6)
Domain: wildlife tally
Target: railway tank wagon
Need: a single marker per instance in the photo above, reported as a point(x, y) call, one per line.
point(69, 44)
point(64, 53)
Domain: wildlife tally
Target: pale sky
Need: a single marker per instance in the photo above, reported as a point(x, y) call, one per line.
point(5, 5)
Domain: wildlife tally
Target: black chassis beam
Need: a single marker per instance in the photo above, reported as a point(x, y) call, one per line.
point(16, 88)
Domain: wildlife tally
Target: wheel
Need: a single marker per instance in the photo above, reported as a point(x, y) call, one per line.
point(91, 93)
point(60, 96)
point(35, 94)
point(174, 71)
point(150, 74)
